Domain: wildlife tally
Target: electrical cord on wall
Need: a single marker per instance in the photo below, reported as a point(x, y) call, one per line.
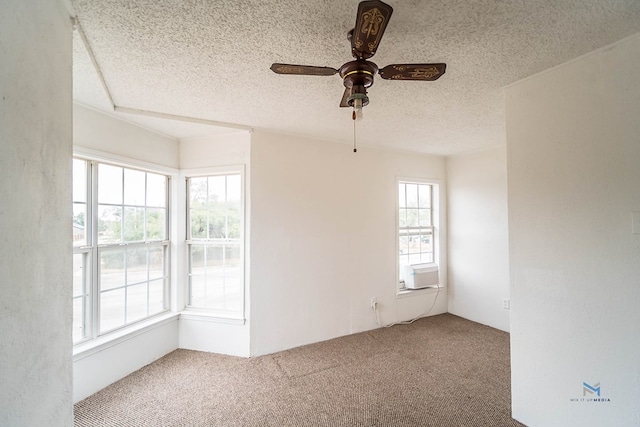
point(406, 322)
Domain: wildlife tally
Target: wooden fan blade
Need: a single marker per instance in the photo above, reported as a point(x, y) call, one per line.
point(345, 96)
point(371, 21)
point(426, 72)
point(305, 70)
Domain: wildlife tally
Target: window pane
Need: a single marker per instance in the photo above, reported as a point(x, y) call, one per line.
point(217, 221)
point(234, 188)
point(426, 257)
point(412, 217)
point(79, 274)
point(197, 276)
point(414, 259)
point(134, 187)
point(156, 224)
point(414, 244)
point(220, 287)
point(424, 198)
point(79, 224)
point(109, 224)
point(426, 243)
point(136, 302)
point(412, 195)
point(217, 189)
point(156, 297)
point(133, 224)
point(403, 261)
point(404, 245)
point(233, 221)
point(112, 273)
point(197, 259)
point(232, 301)
point(156, 190)
point(78, 319)
point(109, 184)
point(424, 217)
point(197, 290)
point(156, 263)
point(112, 313)
point(233, 292)
point(214, 257)
point(198, 218)
point(232, 260)
point(198, 192)
point(402, 217)
point(214, 292)
point(136, 266)
point(79, 180)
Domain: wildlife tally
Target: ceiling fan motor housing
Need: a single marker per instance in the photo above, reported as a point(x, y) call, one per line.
point(357, 76)
point(358, 73)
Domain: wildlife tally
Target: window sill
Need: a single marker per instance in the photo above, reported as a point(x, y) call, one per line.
point(208, 316)
point(404, 292)
point(86, 349)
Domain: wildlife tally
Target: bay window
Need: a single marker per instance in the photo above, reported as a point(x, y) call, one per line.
point(121, 247)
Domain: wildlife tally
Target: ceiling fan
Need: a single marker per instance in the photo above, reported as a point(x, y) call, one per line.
point(357, 75)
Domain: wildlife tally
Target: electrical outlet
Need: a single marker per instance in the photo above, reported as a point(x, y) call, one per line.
point(506, 304)
point(374, 303)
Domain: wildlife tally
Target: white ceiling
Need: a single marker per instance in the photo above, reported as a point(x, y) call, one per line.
point(210, 59)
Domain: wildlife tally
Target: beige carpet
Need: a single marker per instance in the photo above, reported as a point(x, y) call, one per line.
point(438, 371)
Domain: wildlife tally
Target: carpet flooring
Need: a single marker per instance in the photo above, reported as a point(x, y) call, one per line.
point(438, 371)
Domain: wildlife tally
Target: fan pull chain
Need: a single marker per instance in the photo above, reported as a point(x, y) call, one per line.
point(353, 116)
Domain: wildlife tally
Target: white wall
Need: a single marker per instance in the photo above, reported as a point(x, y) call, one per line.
point(574, 176)
point(198, 331)
point(478, 236)
point(323, 239)
point(94, 370)
point(35, 218)
point(98, 131)
point(231, 148)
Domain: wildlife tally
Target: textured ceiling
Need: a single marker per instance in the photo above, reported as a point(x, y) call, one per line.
point(210, 60)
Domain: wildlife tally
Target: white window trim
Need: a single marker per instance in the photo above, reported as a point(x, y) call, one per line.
point(90, 346)
point(203, 315)
point(212, 315)
point(403, 293)
point(438, 217)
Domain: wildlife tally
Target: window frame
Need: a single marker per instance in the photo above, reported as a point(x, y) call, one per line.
point(93, 248)
point(86, 251)
point(222, 315)
point(435, 220)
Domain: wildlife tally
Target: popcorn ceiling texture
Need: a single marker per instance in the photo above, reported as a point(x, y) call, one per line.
point(210, 60)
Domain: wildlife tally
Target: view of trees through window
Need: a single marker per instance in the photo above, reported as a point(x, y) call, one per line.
point(215, 246)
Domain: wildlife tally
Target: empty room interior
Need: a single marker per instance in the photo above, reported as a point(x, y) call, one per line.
point(237, 185)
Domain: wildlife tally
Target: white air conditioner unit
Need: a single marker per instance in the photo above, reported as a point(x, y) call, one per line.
point(418, 276)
